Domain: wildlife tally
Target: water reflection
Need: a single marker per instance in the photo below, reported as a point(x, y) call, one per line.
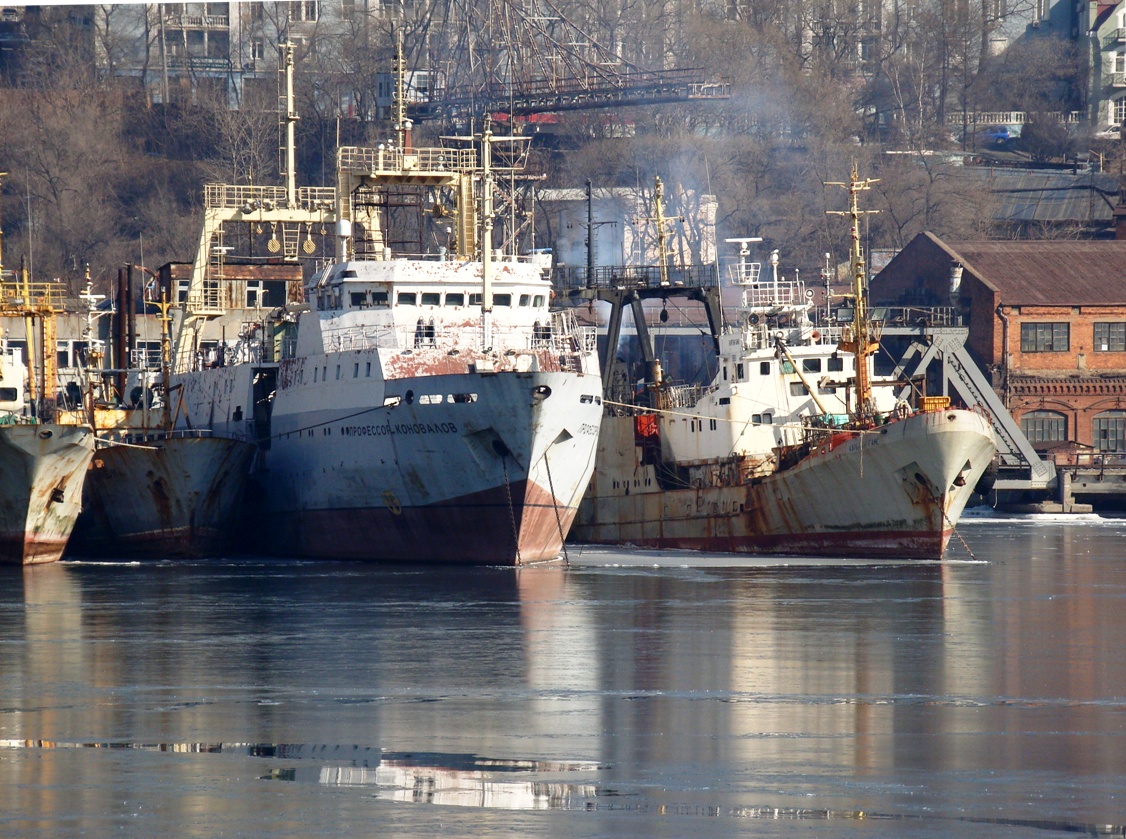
point(970, 692)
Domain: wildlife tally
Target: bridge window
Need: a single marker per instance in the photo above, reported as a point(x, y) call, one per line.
point(798, 389)
point(379, 298)
point(502, 299)
point(1110, 337)
point(407, 298)
point(836, 363)
point(764, 368)
point(525, 300)
point(1044, 337)
point(1110, 431)
point(1044, 427)
point(538, 302)
point(455, 298)
point(811, 365)
point(431, 298)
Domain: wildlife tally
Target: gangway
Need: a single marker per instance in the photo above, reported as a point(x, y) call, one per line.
point(1020, 467)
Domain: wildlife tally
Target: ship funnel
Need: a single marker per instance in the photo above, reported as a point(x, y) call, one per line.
point(955, 280)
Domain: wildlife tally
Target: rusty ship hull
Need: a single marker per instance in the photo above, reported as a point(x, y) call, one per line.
point(167, 497)
point(42, 469)
point(893, 491)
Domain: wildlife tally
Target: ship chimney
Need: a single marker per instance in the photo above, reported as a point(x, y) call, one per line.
point(956, 268)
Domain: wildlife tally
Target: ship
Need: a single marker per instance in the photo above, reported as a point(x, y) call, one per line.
point(795, 447)
point(152, 491)
point(419, 406)
point(42, 462)
point(166, 495)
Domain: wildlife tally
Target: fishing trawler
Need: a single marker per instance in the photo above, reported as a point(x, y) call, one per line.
point(420, 407)
point(42, 462)
point(152, 491)
point(792, 448)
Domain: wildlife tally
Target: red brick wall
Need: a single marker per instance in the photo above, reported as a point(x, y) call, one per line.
point(1081, 354)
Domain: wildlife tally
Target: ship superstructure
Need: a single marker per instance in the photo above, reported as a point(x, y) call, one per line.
point(795, 446)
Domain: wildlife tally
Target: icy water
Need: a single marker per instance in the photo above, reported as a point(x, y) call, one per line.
point(631, 694)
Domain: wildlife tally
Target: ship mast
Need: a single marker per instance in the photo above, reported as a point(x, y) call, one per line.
point(290, 126)
point(662, 255)
point(858, 340)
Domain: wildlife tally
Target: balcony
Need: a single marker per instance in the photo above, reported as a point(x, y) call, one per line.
point(199, 63)
point(197, 21)
point(1115, 79)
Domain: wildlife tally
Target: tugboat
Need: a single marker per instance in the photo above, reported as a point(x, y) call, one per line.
point(421, 406)
point(42, 462)
point(790, 449)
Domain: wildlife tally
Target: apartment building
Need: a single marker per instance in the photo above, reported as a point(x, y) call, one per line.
point(178, 49)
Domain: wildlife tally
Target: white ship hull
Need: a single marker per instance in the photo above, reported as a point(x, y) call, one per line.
point(895, 491)
point(42, 468)
point(476, 468)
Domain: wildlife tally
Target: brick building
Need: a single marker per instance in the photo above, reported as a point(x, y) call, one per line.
point(1046, 318)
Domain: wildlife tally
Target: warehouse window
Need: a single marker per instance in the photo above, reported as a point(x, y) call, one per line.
point(1110, 337)
point(1043, 427)
point(1044, 337)
point(1110, 431)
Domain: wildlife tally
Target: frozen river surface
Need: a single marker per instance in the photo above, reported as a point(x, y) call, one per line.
point(631, 694)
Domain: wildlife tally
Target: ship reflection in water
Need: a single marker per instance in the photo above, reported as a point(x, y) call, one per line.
point(632, 694)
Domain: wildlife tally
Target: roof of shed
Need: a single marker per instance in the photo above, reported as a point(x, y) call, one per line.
point(1055, 272)
point(1050, 195)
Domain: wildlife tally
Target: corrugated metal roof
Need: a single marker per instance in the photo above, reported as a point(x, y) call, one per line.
point(1055, 272)
point(1050, 196)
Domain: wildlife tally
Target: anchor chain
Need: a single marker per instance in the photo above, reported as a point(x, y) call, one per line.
point(511, 510)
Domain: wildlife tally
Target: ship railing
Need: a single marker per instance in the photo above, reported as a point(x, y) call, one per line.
point(562, 335)
point(916, 315)
point(141, 436)
point(744, 273)
point(373, 161)
point(767, 295)
point(763, 336)
point(366, 337)
point(261, 197)
point(565, 325)
point(18, 297)
point(565, 278)
point(684, 396)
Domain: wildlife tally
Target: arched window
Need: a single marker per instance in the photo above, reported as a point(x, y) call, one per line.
point(1044, 427)
point(1110, 431)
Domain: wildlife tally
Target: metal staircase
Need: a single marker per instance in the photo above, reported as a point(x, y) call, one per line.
point(1020, 467)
